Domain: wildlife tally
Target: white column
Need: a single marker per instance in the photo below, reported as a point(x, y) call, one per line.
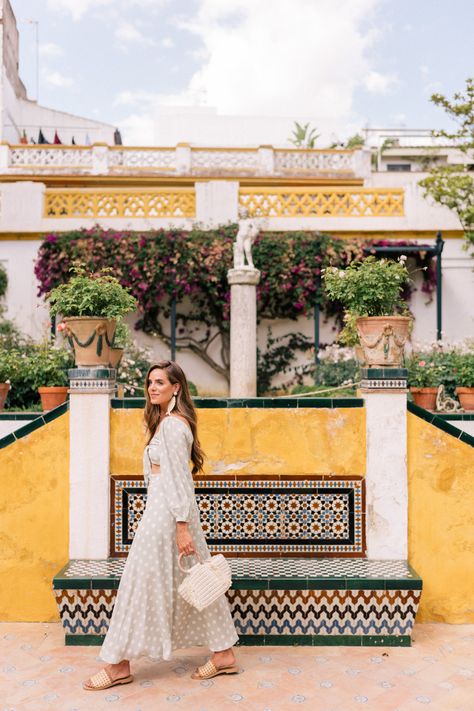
point(243, 331)
point(100, 158)
point(183, 158)
point(22, 206)
point(217, 202)
point(89, 476)
point(386, 475)
point(4, 157)
point(266, 160)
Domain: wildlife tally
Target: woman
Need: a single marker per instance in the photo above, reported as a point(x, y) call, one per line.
point(150, 618)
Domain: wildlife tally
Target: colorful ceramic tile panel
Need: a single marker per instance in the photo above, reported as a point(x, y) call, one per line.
point(271, 516)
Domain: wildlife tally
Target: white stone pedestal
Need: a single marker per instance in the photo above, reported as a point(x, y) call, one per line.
point(386, 475)
point(243, 331)
point(89, 482)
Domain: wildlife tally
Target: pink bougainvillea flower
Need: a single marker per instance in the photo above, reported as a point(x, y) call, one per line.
point(422, 363)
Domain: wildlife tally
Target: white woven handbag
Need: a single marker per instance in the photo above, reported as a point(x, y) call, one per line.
point(205, 582)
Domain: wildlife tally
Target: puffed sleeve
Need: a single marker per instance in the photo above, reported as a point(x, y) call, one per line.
point(174, 464)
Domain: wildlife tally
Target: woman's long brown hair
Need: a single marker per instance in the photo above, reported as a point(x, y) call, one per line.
point(184, 407)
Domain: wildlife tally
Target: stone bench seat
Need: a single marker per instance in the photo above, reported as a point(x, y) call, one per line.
point(284, 600)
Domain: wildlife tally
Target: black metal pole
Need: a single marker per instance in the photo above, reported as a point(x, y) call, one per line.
point(173, 329)
point(439, 287)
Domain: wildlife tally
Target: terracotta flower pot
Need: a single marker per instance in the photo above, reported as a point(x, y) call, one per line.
point(52, 396)
point(4, 388)
point(466, 398)
point(383, 339)
point(91, 339)
point(425, 397)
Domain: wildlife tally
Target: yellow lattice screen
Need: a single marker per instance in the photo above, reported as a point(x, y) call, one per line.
point(322, 202)
point(116, 202)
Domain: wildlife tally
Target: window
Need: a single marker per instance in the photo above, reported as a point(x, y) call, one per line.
point(399, 167)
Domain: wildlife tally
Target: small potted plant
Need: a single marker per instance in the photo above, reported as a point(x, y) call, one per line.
point(465, 380)
point(424, 378)
point(90, 303)
point(49, 365)
point(371, 292)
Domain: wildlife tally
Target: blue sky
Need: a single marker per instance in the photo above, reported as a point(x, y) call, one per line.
point(345, 64)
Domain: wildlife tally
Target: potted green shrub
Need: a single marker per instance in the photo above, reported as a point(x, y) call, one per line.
point(371, 292)
point(49, 365)
point(424, 378)
point(90, 303)
point(465, 380)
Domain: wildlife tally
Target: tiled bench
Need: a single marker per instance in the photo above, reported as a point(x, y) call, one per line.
point(284, 601)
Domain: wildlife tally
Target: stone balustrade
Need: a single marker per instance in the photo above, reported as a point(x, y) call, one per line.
point(101, 159)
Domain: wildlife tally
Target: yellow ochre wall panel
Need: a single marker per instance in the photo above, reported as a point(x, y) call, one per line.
point(258, 441)
point(441, 522)
point(34, 521)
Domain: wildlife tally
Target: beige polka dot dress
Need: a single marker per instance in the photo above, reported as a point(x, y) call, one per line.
point(150, 618)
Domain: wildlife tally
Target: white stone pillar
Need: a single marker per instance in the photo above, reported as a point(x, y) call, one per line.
point(217, 202)
point(266, 160)
point(4, 157)
point(384, 391)
point(183, 159)
point(100, 159)
point(243, 331)
point(89, 476)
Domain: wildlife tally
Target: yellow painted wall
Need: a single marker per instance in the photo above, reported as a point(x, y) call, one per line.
point(258, 441)
point(34, 521)
point(441, 522)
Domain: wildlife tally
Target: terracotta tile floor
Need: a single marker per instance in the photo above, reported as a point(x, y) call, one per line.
point(38, 673)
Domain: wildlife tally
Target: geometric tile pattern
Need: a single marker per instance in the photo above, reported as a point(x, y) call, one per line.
point(265, 568)
point(271, 598)
point(270, 612)
point(324, 612)
point(260, 517)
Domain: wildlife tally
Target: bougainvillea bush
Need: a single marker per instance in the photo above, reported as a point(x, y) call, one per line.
point(191, 267)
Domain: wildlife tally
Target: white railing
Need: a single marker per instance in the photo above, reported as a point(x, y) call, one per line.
point(100, 159)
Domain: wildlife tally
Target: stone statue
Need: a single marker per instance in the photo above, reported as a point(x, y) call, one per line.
point(249, 228)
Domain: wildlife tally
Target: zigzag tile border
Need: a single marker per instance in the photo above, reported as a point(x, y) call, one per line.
point(259, 613)
point(261, 517)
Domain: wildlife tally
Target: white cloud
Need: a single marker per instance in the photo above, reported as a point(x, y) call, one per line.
point(57, 79)
point(50, 49)
point(167, 42)
point(378, 83)
point(128, 33)
point(302, 58)
point(78, 8)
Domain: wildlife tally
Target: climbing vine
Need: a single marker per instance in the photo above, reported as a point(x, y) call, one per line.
point(191, 267)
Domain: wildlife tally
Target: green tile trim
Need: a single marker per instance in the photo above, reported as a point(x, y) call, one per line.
point(92, 373)
point(5, 415)
point(283, 640)
point(84, 640)
point(288, 640)
point(35, 424)
point(468, 416)
point(384, 373)
point(440, 423)
point(263, 402)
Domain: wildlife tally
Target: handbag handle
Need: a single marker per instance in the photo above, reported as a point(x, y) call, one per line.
point(181, 555)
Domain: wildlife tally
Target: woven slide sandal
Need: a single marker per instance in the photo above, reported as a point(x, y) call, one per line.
point(209, 670)
point(102, 680)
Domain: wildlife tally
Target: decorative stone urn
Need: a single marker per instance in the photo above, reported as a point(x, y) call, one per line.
point(383, 339)
point(91, 339)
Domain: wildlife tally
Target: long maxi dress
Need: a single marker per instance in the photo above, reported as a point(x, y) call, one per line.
point(150, 618)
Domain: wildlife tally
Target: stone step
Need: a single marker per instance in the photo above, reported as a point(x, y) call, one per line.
point(285, 601)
